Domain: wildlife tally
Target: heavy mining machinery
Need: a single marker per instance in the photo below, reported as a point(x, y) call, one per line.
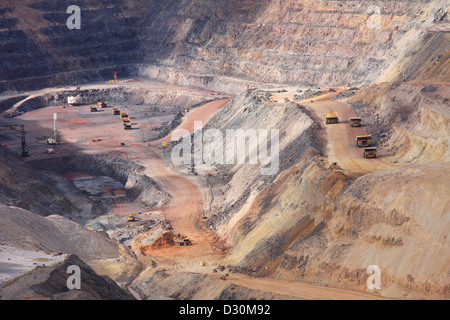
point(332, 117)
point(25, 152)
point(355, 122)
point(363, 141)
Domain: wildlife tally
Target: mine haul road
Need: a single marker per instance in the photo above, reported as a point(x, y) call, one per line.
point(341, 138)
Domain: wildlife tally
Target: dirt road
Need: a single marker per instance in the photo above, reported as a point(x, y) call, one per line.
point(185, 211)
point(303, 290)
point(342, 139)
point(202, 113)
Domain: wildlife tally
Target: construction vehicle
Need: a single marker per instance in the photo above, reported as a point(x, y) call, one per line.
point(102, 104)
point(127, 125)
point(24, 144)
point(116, 112)
point(124, 114)
point(54, 139)
point(363, 141)
point(185, 242)
point(131, 218)
point(334, 166)
point(182, 240)
point(73, 101)
point(332, 117)
point(370, 153)
point(355, 122)
point(94, 108)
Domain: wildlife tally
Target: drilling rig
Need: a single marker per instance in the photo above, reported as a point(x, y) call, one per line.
point(24, 144)
point(54, 139)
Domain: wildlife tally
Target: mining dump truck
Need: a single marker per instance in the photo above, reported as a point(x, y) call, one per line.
point(355, 122)
point(126, 120)
point(363, 141)
point(116, 112)
point(131, 218)
point(332, 117)
point(94, 108)
point(103, 104)
point(370, 153)
point(124, 114)
point(127, 125)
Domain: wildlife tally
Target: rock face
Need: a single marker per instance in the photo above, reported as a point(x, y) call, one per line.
point(307, 42)
point(50, 282)
point(316, 42)
point(23, 187)
point(53, 234)
point(313, 224)
point(39, 50)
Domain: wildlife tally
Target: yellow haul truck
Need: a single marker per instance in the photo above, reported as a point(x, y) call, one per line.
point(94, 108)
point(370, 153)
point(103, 104)
point(355, 122)
point(127, 125)
point(363, 141)
point(332, 117)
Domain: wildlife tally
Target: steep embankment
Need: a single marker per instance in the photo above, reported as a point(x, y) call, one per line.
point(22, 230)
point(309, 223)
point(50, 282)
point(410, 121)
point(309, 42)
point(395, 219)
point(38, 50)
point(23, 187)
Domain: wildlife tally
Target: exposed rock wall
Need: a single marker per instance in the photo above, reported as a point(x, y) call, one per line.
point(309, 223)
point(50, 283)
point(409, 121)
point(21, 186)
point(38, 50)
point(307, 42)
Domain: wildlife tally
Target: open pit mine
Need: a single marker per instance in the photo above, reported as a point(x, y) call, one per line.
point(224, 150)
